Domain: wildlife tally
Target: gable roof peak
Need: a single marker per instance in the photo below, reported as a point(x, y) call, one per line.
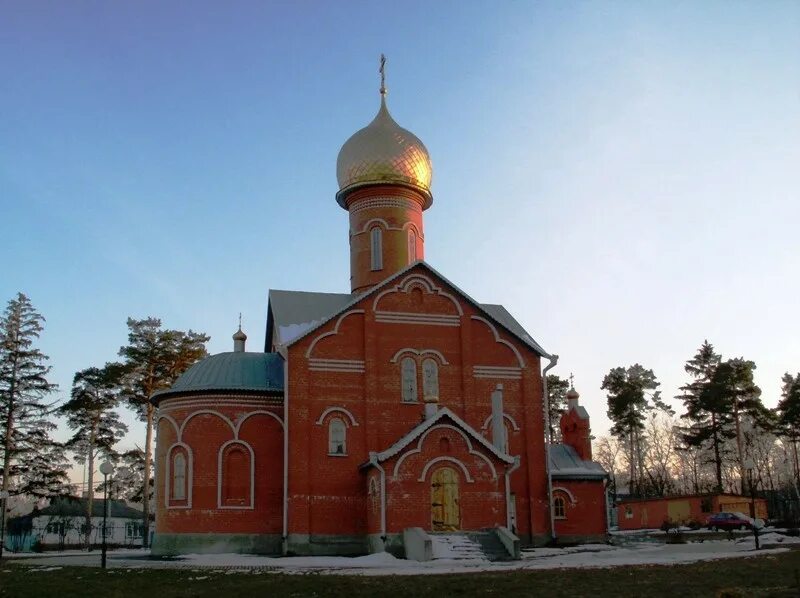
point(496, 313)
point(432, 421)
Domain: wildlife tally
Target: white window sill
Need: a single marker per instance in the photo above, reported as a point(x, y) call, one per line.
point(337, 454)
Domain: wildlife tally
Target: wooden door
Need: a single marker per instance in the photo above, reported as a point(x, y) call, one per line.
point(445, 512)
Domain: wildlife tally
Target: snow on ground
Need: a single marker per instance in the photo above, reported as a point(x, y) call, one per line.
point(769, 539)
point(587, 556)
point(135, 552)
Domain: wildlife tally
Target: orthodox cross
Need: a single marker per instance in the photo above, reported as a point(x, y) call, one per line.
point(571, 380)
point(240, 320)
point(382, 71)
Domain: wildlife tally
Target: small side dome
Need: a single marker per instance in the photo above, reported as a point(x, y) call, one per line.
point(572, 394)
point(239, 339)
point(252, 373)
point(384, 152)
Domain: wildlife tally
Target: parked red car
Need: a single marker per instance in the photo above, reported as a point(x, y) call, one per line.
point(729, 521)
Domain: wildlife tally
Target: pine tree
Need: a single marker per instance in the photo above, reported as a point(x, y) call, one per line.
point(708, 413)
point(632, 392)
point(788, 412)
point(732, 385)
point(153, 359)
point(557, 402)
point(90, 412)
point(33, 464)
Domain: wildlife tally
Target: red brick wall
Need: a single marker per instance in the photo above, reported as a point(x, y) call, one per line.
point(585, 508)
point(481, 495)
point(374, 400)
point(394, 221)
point(575, 432)
point(329, 494)
point(651, 513)
point(205, 433)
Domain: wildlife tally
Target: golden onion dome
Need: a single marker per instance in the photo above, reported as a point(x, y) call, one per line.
point(383, 152)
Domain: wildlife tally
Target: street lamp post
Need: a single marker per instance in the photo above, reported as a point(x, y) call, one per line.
point(3, 500)
point(750, 466)
point(106, 469)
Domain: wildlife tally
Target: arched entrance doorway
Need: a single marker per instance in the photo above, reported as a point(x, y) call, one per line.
point(445, 512)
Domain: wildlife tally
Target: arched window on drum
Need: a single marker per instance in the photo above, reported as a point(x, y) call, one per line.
point(412, 246)
point(179, 476)
point(236, 488)
point(376, 248)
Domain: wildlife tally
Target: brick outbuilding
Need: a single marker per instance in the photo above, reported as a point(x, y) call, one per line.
point(692, 509)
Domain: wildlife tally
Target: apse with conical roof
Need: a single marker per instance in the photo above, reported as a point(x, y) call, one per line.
point(384, 175)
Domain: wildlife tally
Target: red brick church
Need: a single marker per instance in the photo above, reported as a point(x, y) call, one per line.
point(403, 407)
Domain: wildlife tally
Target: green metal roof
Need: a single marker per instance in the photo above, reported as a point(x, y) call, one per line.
point(234, 371)
point(565, 463)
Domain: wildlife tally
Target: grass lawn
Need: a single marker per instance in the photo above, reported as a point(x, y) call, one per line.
point(770, 575)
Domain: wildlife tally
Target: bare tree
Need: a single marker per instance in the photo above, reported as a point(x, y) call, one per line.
point(659, 457)
point(609, 452)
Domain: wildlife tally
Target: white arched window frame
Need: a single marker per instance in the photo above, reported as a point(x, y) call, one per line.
point(337, 437)
point(179, 476)
point(412, 246)
point(559, 507)
point(226, 498)
point(408, 376)
point(430, 378)
point(376, 247)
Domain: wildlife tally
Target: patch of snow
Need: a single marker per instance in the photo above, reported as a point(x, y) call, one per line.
point(292, 331)
point(76, 552)
point(377, 558)
point(379, 564)
point(769, 538)
point(544, 552)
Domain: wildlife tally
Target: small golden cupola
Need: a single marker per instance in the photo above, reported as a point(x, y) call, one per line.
point(384, 175)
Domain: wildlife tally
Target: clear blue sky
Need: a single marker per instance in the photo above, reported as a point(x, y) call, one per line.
point(624, 177)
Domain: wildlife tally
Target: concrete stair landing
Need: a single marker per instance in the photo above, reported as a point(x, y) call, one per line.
point(491, 546)
point(458, 547)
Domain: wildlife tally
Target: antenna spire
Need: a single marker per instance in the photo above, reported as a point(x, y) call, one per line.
point(382, 71)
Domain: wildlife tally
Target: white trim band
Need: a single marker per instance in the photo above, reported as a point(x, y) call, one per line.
point(490, 371)
point(335, 365)
point(395, 317)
